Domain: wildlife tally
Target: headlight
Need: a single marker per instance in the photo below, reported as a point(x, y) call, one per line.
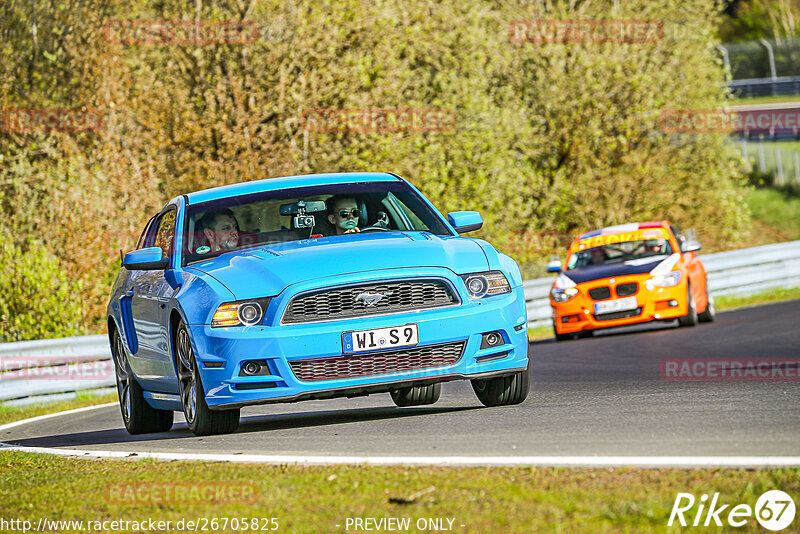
point(486, 284)
point(240, 313)
point(665, 280)
point(564, 288)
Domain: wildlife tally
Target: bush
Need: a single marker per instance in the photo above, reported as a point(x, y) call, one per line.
point(37, 301)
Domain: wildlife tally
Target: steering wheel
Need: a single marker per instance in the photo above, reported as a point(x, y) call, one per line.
point(370, 228)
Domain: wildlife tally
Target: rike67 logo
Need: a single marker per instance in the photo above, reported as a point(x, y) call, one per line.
point(774, 510)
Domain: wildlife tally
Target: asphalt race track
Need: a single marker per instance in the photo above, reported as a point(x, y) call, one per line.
point(601, 396)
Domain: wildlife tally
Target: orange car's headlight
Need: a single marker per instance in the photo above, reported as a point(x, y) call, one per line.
point(564, 288)
point(670, 279)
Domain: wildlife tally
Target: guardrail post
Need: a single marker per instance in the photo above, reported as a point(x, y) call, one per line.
point(772, 71)
point(797, 166)
point(726, 60)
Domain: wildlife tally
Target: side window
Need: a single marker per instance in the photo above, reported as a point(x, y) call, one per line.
point(165, 233)
point(679, 237)
point(143, 238)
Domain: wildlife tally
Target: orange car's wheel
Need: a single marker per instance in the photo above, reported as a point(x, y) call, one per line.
point(690, 319)
point(710, 313)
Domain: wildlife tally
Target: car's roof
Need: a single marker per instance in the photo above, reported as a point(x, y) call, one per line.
point(630, 227)
point(288, 182)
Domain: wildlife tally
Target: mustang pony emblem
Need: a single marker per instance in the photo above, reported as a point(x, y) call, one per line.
point(372, 299)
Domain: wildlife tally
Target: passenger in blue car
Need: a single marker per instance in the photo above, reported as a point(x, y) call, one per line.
point(221, 230)
point(343, 214)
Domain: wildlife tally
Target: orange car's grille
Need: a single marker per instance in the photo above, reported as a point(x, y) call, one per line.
point(618, 315)
point(378, 363)
point(628, 289)
point(600, 293)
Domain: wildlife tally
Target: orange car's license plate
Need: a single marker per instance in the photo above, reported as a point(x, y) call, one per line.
point(616, 305)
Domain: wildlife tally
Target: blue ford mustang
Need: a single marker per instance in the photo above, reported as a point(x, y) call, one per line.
point(310, 287)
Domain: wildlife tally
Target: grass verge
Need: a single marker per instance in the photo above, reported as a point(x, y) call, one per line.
point(320, 499)
point(756, 100)
point(730, 302)
point(9, 414)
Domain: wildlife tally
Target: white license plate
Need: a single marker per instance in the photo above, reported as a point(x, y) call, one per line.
point(616, 305)
point(380, 338)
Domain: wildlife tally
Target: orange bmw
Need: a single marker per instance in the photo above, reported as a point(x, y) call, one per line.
point(627, 274)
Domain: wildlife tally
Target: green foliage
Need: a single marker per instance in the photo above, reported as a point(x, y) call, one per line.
point(759, 19)
point(547, 137)
point(37, 301)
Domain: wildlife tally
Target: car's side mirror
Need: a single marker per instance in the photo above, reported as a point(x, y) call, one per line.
point(145, 259)
point(465, 221)
point(554, 266)
point(690, 246)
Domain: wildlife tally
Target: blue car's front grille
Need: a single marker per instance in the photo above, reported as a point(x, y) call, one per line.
point(364, 300)
point(378, 363)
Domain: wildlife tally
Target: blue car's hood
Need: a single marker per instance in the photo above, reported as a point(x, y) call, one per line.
point(268, 270)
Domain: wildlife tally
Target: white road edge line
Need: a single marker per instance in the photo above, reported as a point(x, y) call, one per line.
point(537, 461)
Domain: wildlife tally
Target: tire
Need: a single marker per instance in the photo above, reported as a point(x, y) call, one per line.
point(417, 395)
point(139, 417)
point(690, 319)
point(710, 313)
point(202, 421)
point(503, 390)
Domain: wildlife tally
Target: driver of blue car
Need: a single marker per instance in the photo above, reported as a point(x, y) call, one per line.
point(221, 230)
point(343, 214)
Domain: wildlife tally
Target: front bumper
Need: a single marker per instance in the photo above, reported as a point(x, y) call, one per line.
point(280, 345)
point(652, 303)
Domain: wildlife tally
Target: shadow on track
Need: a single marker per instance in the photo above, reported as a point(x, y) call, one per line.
point(258, 423)
point(642, 328)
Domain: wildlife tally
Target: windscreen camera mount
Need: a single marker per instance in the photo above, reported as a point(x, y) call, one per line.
point(301, 220)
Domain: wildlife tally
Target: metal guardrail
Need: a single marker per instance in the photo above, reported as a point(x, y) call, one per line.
point(77, 363)
point(785, 85)
point(54, 366)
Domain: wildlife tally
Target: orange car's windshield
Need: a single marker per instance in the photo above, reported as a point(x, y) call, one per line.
point(620, 252)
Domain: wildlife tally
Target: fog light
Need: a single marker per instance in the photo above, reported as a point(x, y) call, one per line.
point(673, 303)
point(491, 339)
point(251, 368)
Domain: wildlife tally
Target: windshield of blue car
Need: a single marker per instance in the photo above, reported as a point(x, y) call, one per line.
point(631, 252)
point(236, 223)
